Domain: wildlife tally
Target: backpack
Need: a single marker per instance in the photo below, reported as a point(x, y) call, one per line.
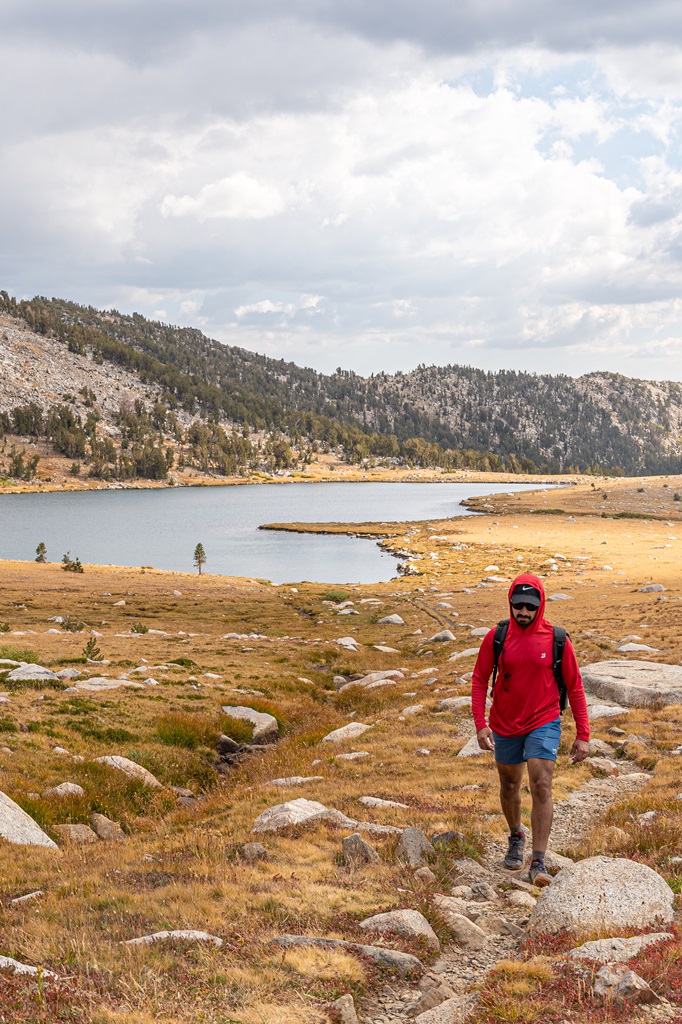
point(558, 646)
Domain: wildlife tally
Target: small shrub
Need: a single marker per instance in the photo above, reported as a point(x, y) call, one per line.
point(5, 627)
point(183, 662)
point(70, 564)
point(187, 730)
point(9, 652)
point(73, 625)
point(337, 596)
point(110, 734)
point(7, 725)
point(677, 496)
point(139, 627)
point(91, 651)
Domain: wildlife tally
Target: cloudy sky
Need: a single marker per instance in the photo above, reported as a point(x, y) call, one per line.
point(364, 183)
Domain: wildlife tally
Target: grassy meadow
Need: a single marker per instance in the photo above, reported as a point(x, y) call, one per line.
point(179, 866)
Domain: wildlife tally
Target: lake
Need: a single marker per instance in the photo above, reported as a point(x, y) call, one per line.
point(162, 527)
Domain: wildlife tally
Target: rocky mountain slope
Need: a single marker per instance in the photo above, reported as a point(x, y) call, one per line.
point(556, 423)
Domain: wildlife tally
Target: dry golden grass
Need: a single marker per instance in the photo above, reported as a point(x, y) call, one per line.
point(178, 867)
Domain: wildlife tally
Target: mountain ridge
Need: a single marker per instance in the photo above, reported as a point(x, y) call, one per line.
point(527, 422)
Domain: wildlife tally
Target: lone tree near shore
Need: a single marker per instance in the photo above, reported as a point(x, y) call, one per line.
point(199, 557)
point(41, 552)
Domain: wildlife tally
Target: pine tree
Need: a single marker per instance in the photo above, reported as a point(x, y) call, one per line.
point(41, 552)
point(199, 557)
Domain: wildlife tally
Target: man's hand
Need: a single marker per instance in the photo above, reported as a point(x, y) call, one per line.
point(579, 751)
point(485, 739)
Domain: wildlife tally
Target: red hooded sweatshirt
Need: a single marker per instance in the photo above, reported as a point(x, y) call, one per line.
point(526, 695)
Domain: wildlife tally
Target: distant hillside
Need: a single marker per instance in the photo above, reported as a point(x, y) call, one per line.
point(452, 416)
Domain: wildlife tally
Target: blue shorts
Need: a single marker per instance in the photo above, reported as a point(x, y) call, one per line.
point(542, 742)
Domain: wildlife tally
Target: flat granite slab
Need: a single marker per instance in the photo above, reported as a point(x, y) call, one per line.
point(634, 683)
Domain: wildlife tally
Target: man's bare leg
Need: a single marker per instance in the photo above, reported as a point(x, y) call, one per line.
point(511, 777)
point(540, 772)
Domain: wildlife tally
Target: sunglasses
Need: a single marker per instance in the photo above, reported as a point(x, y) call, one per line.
point(528, 607)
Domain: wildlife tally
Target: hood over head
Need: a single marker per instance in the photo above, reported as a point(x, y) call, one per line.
point(527, 579)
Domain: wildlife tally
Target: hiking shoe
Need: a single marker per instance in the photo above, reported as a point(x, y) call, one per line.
point(539, 874)
point(515, 845)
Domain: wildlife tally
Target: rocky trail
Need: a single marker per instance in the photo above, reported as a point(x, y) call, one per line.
point(500, 904)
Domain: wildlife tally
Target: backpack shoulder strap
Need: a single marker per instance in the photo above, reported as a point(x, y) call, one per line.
point(500, 636)
point(560, 637)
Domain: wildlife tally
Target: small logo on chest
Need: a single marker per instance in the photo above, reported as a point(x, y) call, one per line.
point(543, 655)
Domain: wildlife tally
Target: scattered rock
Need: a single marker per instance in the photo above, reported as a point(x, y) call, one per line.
point(392, 620)
point(69, 673)
point(65, 789)
point(453, 703)
point(652, 588)
point(413, 709)
point(433, 996)
point(355, 755)
point(603, 766)
point(129, 768)
point(7, 963)
point(617, 982)
point(99, 684)
point(445, 840)
point(425, 875)
point(443, 637)
point(403, 963)
point(595, 711)
point(294, 812)
point(631, 648)
point(345, 1008)
point(413, 848)
point(521, 899)
point(358, 852)
point(465, 932)
point(346, 732)
point(30, 673)
point(104, 828)
point(295, 780)
point(253, 851)
point(634, 683)
point(472, 749)
point(29, 896)
point(559, 597)
point(615, 836)
point(16, 826)
point(409, 923)
point(471, 652)
point(598, 748)
point(180, 935)
point(375, 801)
point(265, 727)
point(368, 679)
point(608, 950)
point(602, 893)
point(77, 834)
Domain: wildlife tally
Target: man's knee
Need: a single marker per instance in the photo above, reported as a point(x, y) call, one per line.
point(540, 781)
point(510, 783)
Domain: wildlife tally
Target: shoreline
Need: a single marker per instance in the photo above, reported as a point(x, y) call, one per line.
point(326, 473)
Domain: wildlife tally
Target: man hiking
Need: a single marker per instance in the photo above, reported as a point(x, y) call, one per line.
point(530, 663)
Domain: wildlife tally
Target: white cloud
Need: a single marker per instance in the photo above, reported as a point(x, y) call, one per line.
point(353, 183)
point(239, 196)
